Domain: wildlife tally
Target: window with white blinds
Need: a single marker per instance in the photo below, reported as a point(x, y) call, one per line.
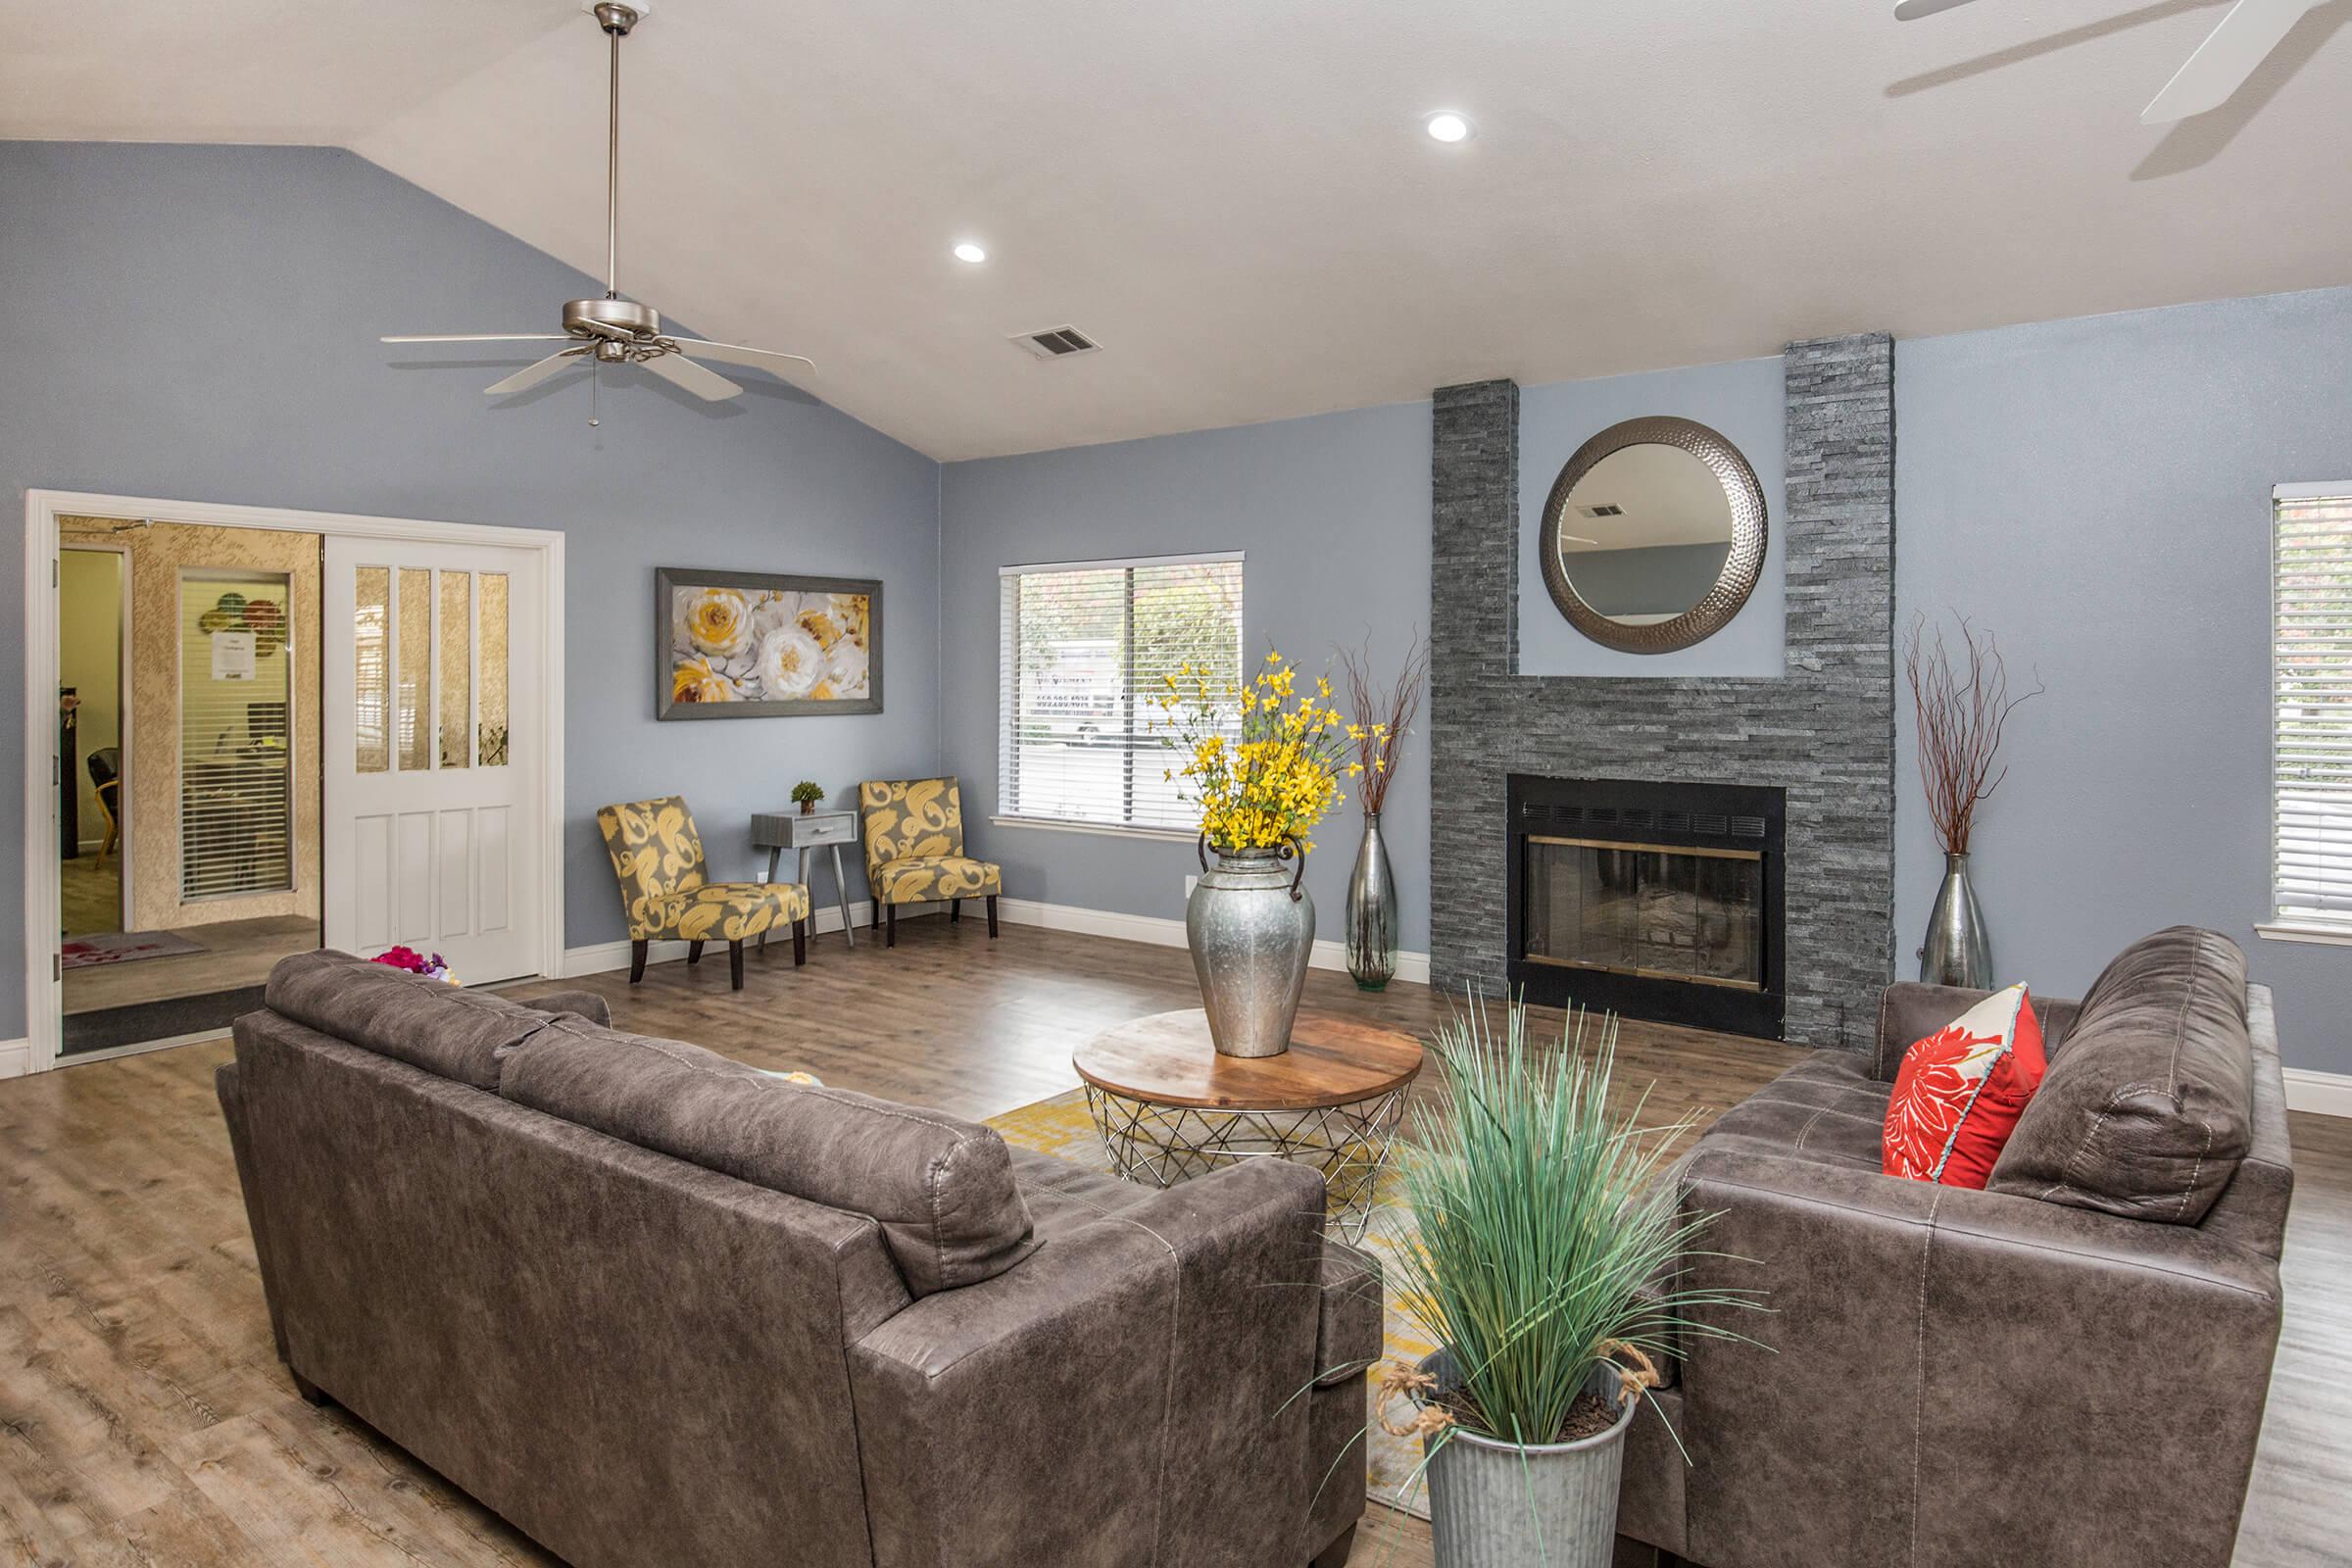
point(236, 804)
point(1086, 650)
point(2311, 689)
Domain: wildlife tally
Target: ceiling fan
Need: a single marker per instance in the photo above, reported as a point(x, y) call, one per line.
point(612, 330)
point(2221, 66)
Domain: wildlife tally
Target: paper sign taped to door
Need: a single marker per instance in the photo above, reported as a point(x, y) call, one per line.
point(232, 656)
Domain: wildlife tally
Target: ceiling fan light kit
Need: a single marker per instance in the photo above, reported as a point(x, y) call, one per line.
point(2229, 55)
point(612, 330)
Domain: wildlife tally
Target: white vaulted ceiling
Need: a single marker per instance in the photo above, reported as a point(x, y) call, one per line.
point(1236, 198)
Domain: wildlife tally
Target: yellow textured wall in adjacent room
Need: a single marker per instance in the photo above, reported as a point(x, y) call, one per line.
point(89, 648)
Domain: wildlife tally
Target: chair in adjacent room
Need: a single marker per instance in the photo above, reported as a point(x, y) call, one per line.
point(913, 831)
point(106, 778)
point(658, 855)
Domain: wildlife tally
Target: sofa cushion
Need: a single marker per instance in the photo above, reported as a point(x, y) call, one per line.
point(2148, 1104)
point(942, 1190)
point(427, 1023)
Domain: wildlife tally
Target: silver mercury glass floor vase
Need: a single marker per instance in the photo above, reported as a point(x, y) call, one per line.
point(1372, 910)
point(1250, 925)
point(1957, 952)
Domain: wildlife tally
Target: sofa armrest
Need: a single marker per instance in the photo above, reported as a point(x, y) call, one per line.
point(1351, 1320)
point(1089, 1404)
point(587, 1005)
point(1909, 1010)
point(2098, 1380)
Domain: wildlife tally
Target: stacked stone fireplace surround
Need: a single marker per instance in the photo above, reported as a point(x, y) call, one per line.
point(1824, 731)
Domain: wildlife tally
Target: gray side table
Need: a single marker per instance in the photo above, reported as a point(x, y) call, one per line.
point(778, 831)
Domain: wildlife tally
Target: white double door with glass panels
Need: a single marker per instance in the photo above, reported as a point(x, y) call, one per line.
point(434, 739)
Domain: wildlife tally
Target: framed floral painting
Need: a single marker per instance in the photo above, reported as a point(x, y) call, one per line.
point(749, 645)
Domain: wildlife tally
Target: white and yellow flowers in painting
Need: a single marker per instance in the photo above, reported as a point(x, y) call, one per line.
point(762, 646)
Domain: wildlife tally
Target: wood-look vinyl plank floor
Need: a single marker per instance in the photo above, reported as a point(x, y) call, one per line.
point(145, 1420)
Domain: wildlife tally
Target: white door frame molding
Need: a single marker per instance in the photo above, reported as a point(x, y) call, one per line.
point(43, 987)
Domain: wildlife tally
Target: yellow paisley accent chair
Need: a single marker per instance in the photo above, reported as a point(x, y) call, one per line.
point(658, 855)
point(914, 850)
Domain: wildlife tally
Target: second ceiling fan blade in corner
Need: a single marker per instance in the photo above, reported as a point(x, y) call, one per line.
point(530, 375)
point(678, 370)
point(2230, 54)
point(737, 354)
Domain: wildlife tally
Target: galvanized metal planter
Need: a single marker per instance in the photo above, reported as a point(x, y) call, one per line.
point(1497, 1504)
point(1372, 911)
point(1251, 925)
point(1957, 952)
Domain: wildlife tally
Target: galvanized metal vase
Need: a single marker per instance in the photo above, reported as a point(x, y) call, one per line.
point(1250, 925)
point(1957, 952)
point(1497, 1504)
point(1372, 910)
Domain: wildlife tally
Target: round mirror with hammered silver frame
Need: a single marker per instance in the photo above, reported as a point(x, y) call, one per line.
point(1653, 536)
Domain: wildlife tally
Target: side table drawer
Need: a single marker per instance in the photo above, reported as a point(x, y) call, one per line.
point(832, 828)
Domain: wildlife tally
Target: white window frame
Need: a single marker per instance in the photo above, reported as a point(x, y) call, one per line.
point(1008, 653)
point(2291, 925)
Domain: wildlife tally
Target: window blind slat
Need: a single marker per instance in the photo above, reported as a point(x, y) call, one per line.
point(1083, 653)
point(2311, 733)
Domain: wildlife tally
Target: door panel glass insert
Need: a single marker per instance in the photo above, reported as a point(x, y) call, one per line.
point(457, 668)
point(491, 666)
point(372, 664)
point(236, 805)
point(1646, 909)
point(413, 718)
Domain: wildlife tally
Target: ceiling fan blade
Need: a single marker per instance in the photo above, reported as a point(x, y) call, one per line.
point(530, 375)
point(737, 354)
point(1912, 9)
point(679, 370)
point(2226, 59)
point(474, 337)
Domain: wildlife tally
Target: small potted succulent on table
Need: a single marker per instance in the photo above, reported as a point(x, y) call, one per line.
point(807, 794)
point(1543, 1271)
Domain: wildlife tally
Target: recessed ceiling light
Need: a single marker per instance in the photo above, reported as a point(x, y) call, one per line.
point(970, 252)
point(1447, 127)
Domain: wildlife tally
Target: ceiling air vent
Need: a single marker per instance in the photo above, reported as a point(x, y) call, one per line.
point(1057, 342)
point(1604, 509)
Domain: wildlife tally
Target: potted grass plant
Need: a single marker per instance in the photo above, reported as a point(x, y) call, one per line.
point(1542, 1270)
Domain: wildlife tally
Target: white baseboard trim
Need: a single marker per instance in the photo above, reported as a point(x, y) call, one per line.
point(602, 957)
point(2322, 1093)
point(1162, 932)
point(16, 1057)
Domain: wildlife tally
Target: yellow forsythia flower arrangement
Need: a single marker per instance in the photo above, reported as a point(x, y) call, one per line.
point(1274, 782)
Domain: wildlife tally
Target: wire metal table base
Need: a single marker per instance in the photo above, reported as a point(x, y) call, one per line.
point(1163, 1144)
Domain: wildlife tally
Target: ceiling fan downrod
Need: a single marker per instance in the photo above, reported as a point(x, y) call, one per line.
point(617, 20)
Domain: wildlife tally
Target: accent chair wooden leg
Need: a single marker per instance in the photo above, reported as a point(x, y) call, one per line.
point(735, 965)
point(992, 917)
point(637, 951)
point(694, 953)
point(954, 911)
point(889, 936)
point(800, 942)
point(1335, 1555)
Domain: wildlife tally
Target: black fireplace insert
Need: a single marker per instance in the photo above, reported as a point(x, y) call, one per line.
point(1654, 901)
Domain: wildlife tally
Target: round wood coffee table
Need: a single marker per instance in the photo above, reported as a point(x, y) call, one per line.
point(1171, 1108)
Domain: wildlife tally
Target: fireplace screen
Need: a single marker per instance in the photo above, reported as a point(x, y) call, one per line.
point(1694, 914)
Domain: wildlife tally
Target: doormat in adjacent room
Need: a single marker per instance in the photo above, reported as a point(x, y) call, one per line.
point(1061, 1127)
point(125, 947)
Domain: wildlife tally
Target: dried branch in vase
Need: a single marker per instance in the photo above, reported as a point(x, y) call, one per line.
point(1962, 703)
point(1383, 715)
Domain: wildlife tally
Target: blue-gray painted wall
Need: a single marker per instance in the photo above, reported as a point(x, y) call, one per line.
point(2097, 492)
point(200, 323)
point(1333, 515)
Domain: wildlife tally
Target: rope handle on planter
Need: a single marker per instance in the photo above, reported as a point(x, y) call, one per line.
point(1402, 1378)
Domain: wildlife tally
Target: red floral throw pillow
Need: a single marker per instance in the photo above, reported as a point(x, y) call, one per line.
point(1961, 1090)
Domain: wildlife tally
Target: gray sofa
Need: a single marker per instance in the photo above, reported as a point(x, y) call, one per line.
point(655, 1307)
point(2066, 1367)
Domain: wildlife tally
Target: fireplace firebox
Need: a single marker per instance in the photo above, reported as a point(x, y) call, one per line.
point(1654, 901)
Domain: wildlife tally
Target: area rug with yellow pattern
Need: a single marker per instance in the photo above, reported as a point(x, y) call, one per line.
point(1061, 1126)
